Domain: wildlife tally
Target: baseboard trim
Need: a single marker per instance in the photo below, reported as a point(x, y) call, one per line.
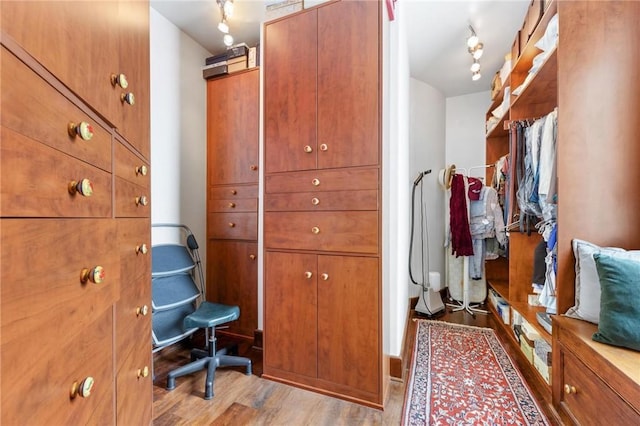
point(398, 364)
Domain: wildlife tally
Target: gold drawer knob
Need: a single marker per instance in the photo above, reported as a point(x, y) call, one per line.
point(142, 200)
point(232, 225)
point(232, 205)
point(119, 80)
point(324, 276)
point(82, 129)
point(253, 167)
point(308, 149)
point(252, 256)
point(315, 182)
point(83, 388)
point(142, 310)
point(568, 389)
point(315, 230)
point(142, 170)
point(128, 98)
point(308, 275)
point(315, 201)
point(83, 187)
point(96, 275)
point(142, 249)
point(234, 192)
point(143, 372)
point(324, 147)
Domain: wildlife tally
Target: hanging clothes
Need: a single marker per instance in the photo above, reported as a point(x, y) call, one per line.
point(461, 244)
point(486, 222)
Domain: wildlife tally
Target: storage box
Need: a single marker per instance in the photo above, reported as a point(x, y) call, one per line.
point(527, 347)
point(542, 367)
point(534, 13)
point(278, 9)
point(543, 351)
point(515, 50)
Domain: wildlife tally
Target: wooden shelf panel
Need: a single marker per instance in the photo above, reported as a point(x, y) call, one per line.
point(541, 95)
point(501, 287)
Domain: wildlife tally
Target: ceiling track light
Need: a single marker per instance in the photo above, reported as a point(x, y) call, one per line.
point(226, 10)
point(475, 49)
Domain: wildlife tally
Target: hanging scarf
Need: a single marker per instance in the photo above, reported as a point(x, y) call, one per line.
point(461, 244)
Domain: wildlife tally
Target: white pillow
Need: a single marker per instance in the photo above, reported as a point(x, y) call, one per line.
point(587, 305)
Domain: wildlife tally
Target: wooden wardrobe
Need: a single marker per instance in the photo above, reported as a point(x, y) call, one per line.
point(322, 220)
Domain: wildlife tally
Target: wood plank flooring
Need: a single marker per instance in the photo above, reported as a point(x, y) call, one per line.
point(250, 400)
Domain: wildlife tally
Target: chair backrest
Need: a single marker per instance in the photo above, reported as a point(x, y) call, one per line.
point(177, 285)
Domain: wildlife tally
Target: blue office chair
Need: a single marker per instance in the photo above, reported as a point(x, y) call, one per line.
point(180, 308)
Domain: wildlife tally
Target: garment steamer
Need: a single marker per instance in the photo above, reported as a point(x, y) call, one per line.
point(429, 301)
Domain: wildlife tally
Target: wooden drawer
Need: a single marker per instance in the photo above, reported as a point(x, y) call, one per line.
point(134, 245)
point(132, 200)
point(355, 232)
point(233, 205)
point(589, 395)
point(130, 167)
point(42, 261)
point(322, 180)
point(36, 178)
point(315, 201)
point(233, 226)
point(32, 107)
point(223, 192)
point(36, 384)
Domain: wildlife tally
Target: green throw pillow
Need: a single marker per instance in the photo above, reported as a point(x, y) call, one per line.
point(619, 301)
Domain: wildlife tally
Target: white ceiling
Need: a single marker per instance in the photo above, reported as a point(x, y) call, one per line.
point(436, 31)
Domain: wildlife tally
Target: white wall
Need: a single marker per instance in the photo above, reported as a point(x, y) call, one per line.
point(178, 128)
point(427, 136)
point(465, 126)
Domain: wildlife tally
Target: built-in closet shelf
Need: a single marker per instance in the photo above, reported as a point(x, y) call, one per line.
point(522, 64)
point(529, 312)
point(540, 96)
point(501, 287)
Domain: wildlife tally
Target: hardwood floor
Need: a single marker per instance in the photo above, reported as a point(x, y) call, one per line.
point(250, 400)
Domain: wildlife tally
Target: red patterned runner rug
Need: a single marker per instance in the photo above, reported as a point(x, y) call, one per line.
point(461, 375)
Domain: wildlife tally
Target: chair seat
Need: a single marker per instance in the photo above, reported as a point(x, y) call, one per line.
point(211, 314)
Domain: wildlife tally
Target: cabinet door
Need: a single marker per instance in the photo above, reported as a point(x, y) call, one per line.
point(232, 128)
point(290, 58)
point(76, 40)
point(348, 82)
point(348, 322)
point(290, 313)
point(232, 278)
point(133, 120)
point(133, 324)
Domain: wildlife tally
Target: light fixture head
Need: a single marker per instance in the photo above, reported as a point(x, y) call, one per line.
point(478, 51)
point(476, 76)
point(475, 67)
point(228, 40)
point(223, 26)
point(473, 40)
point(227, 8)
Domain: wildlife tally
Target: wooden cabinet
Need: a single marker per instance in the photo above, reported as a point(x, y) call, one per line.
point(336, 343)
point(322, 190)
point(592, 378)
point(234, 271)
point(596, 131)
point(232, 201)
point(309, 119)
point(75, 232)
point(232, 128)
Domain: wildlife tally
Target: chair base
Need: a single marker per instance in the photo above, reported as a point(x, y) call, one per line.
point(211, 360)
